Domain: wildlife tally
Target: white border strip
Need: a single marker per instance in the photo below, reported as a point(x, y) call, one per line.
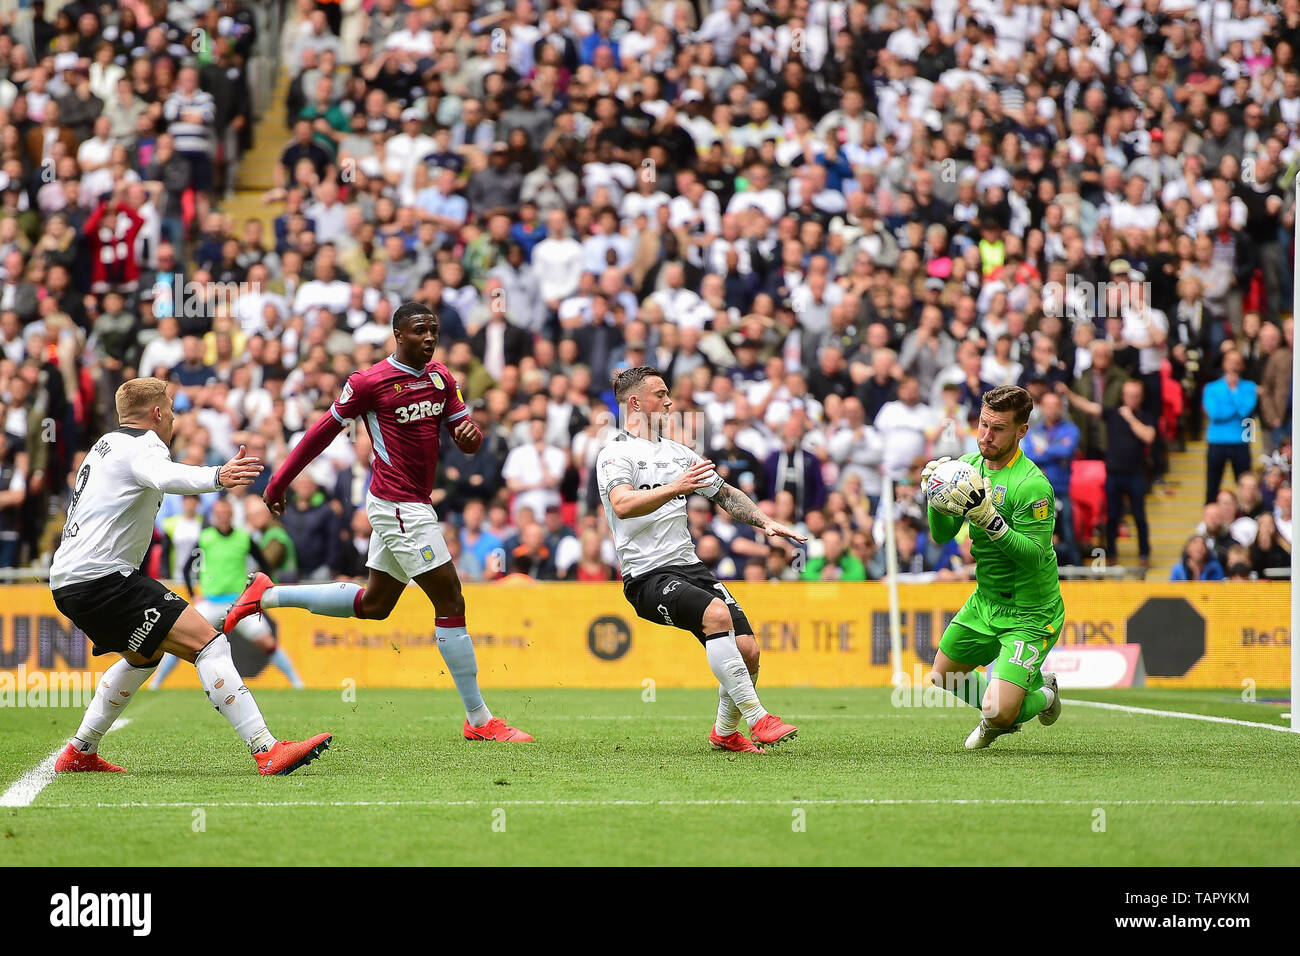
point(847, 802)
point(28, 787)
point(1152, 712)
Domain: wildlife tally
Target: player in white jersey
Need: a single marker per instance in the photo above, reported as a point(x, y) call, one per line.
point(644, 480)
point(97, 584)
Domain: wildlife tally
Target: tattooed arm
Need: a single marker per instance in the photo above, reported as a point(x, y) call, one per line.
point(741, 507)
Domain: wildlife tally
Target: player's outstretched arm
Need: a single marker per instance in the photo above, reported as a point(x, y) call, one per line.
point(239, 471)
point(159, 472)
point(741, 507)
point(316, 440)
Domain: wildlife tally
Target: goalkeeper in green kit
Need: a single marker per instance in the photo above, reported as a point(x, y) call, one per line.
point(1016, 613)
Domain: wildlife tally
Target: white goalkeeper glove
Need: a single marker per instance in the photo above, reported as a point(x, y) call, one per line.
point(974, 495)
point(929, 468)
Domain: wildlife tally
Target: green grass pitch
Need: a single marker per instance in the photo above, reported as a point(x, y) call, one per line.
point(615, 780)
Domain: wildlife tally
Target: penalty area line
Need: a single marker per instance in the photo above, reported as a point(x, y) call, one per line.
point(28, 787)
point(1153, 712)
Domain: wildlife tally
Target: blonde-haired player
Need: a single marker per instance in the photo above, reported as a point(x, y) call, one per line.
point(97, 584)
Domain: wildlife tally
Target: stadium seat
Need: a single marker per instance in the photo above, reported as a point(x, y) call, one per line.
point(1088, 495)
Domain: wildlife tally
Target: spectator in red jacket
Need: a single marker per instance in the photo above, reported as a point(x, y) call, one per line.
point(110, 234)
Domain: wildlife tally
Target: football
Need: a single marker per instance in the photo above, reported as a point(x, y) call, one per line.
point(939, 488)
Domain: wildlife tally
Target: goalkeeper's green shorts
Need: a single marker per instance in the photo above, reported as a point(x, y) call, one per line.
point(986, 633)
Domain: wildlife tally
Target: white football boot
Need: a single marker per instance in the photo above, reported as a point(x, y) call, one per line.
point(1048, 716)
point(986, 733)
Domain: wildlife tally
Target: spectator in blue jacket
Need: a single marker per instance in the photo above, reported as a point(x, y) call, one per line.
point(599, 37)
point(1050, 444)
point(1230, 403)
point(1198, 563)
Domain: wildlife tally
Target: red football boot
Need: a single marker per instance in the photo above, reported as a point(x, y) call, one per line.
point(772, 730)
point(498, 730)
point(735, 742)
point(73, 760)
point(248, 603)
point(286, 756)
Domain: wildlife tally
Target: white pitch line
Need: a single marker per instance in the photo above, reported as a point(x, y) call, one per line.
point(1152, 712)
point(912, 712)
point(652, 716)
point(848, 802)
point(28, 787)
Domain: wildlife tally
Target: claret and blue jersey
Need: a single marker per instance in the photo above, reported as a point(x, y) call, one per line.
point(404, 409)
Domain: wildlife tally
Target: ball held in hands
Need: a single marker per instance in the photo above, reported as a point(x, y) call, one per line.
point(941, 480)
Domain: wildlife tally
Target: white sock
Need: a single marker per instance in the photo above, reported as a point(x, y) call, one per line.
point(331, 600)
point(115, 691)
point(225, 688)
point(1050, 695)
point(728, 721)
point(458, 653)
point(730, 670)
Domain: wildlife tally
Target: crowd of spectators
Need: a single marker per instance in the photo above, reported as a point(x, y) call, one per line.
point(832, 225)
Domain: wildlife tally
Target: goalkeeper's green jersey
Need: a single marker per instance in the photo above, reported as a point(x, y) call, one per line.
point(1019, 570)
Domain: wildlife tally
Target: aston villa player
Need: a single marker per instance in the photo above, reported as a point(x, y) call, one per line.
point(404, 402)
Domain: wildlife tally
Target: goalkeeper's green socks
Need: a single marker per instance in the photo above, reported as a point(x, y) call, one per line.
point(1036, 701)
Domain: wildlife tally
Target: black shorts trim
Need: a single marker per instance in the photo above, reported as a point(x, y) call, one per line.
point(678, 595)
point(121, 612)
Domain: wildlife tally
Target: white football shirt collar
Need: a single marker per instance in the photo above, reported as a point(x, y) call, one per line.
point(392, 360)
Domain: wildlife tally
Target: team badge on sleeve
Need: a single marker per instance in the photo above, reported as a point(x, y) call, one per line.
point(1041, 508)
point(347, 393)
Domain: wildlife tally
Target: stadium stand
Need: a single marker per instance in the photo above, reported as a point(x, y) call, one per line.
point(833, 225)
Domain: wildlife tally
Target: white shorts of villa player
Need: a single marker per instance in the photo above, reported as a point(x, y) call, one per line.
point(405, 538)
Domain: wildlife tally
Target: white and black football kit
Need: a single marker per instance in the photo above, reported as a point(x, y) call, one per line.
point(95, 577)
point(663, 578)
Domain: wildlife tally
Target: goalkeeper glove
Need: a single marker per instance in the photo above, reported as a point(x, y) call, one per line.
point(929, 468)
point(976, 501)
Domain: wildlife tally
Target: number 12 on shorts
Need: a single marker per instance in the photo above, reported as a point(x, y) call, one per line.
point(1019, 656)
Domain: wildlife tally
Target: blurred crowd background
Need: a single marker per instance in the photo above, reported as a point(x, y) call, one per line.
point(832, 225)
